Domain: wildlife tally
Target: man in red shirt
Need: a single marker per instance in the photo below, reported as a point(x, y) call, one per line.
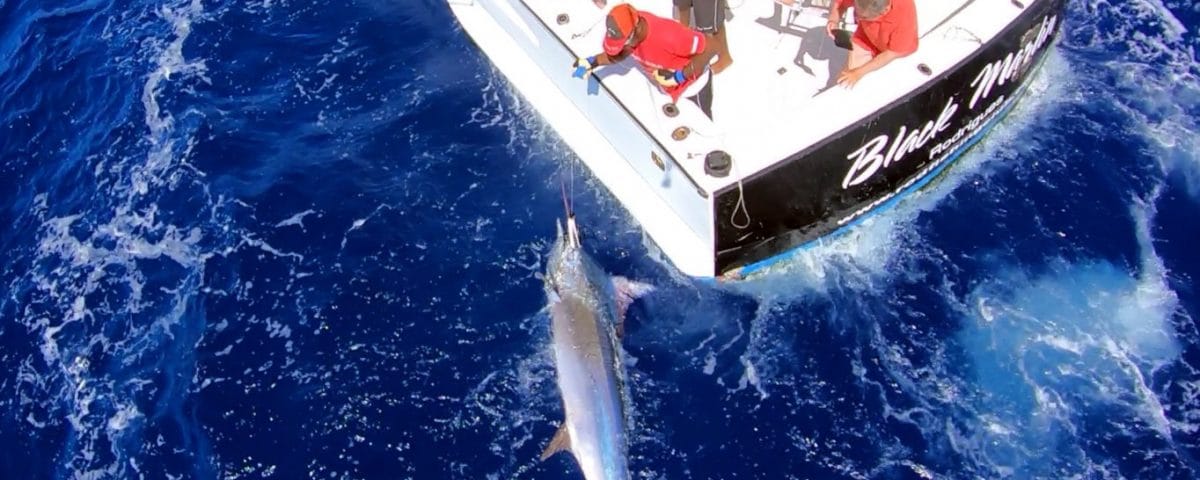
point(887, 30)
point(674, 56)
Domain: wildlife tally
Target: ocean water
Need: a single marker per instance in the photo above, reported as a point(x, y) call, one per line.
point(284, 239)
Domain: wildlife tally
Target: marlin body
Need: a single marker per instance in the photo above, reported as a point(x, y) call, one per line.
point(586, 307)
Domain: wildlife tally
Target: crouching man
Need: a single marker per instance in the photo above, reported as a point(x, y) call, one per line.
point(675, 57)
point(887, 30)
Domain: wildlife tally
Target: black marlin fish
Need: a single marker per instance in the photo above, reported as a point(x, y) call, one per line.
point(586, 309)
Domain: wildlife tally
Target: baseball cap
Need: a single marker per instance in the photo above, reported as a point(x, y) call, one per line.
point(619, 28)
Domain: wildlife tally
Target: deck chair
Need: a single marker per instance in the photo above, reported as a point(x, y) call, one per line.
point(793, 9)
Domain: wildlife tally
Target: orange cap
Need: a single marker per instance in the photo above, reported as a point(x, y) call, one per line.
point(620, 22)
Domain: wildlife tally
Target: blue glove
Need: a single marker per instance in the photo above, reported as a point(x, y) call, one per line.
point(584, 66)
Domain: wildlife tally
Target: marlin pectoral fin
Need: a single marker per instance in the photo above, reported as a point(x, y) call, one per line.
point(560, 442)
point(627, 291)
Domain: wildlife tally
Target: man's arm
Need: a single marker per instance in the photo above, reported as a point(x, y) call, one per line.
point(584, 66)
point(850, 77)
point(836, 10)
point(700, 61)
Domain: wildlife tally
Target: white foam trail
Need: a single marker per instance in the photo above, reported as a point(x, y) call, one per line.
point(88, 266)
point(1157, 79)
point(297, 219)
point(160, 124)
point(1152, 296)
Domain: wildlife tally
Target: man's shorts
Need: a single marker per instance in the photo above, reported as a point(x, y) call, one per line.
point(709, 14)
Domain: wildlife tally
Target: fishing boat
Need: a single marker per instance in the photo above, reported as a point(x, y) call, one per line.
point(789, 156)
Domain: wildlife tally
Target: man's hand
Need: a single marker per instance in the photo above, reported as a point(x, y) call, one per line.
point(849, 77)
point(583, 66)
point(835, 18)
point(668, 78)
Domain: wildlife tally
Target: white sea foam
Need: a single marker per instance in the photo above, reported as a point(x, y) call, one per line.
point(1079, 341)
point(1157, 80)
point(515, 400)
point(1152, 297)
point(297, 219)
point(121, 419)
point(88, 269)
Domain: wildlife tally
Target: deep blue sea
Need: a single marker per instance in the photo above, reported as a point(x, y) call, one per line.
point(302, 239)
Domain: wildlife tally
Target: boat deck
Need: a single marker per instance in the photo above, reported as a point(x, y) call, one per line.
point(779, 97)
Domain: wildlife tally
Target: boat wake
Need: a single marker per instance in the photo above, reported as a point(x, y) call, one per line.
point(1006, 350)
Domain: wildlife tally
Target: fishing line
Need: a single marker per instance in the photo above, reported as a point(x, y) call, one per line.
point(720, 137)
point(562, 186)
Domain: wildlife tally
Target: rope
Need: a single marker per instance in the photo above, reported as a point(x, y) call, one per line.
point(589, 29)
point(973, 37)
point(741, 202)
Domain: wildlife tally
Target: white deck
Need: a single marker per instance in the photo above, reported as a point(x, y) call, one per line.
point(777, 98)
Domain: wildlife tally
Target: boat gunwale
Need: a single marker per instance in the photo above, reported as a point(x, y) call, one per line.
point(709, 195)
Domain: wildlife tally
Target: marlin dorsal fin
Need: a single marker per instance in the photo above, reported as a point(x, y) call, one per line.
point(560, 442)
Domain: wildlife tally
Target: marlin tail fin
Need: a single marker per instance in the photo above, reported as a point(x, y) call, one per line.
point(560, 442)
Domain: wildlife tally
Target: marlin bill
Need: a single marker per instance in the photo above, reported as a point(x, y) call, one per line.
point(586, 309)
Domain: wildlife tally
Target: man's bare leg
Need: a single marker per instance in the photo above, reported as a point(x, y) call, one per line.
point(723, 58)
point(683, 15)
